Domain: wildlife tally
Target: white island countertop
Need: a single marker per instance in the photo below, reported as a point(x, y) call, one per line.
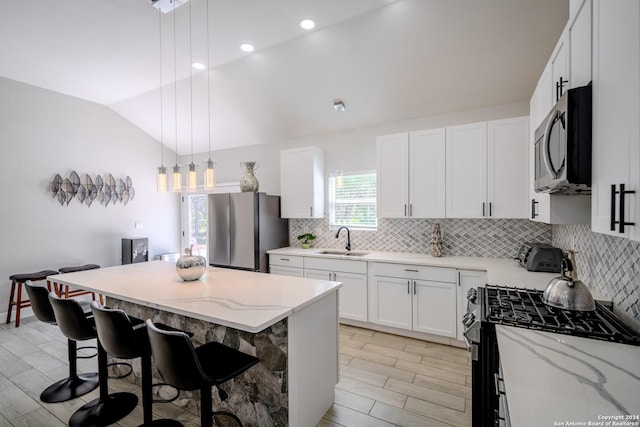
point(242, 300)
point(500, 271)
point(555, 380)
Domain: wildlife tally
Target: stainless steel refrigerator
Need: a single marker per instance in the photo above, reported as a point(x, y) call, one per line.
point(242, 227)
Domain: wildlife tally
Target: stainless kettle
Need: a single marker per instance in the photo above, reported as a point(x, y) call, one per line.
point(567, 293)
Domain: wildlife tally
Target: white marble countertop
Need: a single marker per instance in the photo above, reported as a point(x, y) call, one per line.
point(553, 379)
point(500, 271)
point(242, 300)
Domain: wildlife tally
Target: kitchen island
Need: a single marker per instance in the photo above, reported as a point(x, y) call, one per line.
point(290, 324)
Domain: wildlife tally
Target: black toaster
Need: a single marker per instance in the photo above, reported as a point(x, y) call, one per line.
point(536, 256)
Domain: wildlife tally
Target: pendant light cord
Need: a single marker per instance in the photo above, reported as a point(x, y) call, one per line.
point(208, 81)
point(191, 81)
point(161, 103)
point(175, 81)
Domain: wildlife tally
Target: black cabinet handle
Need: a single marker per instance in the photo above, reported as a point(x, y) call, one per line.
point(405, 209)
point(414, 287)
point(622, 221)
point(411, 270)
point(489, 208)
point(557, 91)
point(483, 208)
point(612, 219)
point(534, 202)
point(408, 287)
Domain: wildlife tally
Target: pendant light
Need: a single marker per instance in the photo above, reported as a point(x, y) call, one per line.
point(162, 170)
point(177, 175)
point(192, 176)
point(209, 172)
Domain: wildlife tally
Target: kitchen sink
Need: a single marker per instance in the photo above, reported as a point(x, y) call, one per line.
point(344, 253)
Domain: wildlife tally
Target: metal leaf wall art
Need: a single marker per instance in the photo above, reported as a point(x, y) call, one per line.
point(86, 189)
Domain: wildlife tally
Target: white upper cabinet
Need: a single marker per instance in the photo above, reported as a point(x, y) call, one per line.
point(393, 175)
point(411, 174)
point(580, 46)
point(487, 173)
point(560, 67)
point(507, 172)
point(616, 118)
point(302, 183)
point(466, 180)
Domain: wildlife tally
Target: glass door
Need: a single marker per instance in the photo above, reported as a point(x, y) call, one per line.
point(195, 230)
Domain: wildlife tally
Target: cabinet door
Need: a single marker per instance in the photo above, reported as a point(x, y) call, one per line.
point(393, 174)
point(467, 279)
point(286, 271)
point(353, 296)
point(466, 171)
point(546, 94)
point(427, 174)
point(507, 174)
point(434, 307)
point(616, 110)
point(302, 183)
point(559, 68)
point(580, 47)
point(390, 302)
point(318, 274)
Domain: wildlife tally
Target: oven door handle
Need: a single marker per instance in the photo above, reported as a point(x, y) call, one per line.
point(546, 155)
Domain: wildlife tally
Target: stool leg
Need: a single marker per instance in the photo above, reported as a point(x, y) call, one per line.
point(206, 412)
point(18, 304)
point(9, 309)
point(147, 397)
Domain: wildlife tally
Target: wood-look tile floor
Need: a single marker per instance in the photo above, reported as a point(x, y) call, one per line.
point(385, 380)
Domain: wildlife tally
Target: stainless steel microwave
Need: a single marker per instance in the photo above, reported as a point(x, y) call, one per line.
point(563, 145)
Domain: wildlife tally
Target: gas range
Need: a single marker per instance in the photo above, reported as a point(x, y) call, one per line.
point(523, 308)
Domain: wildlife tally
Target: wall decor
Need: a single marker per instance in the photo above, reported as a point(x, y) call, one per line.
point(86, 189)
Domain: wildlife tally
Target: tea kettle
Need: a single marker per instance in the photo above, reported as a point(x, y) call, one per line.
point(568, 293)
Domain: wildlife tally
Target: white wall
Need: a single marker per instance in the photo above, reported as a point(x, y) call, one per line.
point(43, 133)
point(353, 150)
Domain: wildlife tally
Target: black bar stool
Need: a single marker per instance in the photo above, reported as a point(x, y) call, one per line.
point(108, 408)
point(64, 290)
point(121, 339)
point(16, 281)
point(76, 384)
point(188, 368)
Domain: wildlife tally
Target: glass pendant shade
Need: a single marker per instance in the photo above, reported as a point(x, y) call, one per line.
point(192, 178)
point(209, 176)
point(162, 179)
point(177, 179)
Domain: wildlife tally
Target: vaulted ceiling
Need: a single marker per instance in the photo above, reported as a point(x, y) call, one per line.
point(388, 60)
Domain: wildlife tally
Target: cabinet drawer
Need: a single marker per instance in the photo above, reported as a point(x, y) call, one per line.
point(286, 260)
point(330, 264)
point(436, 274)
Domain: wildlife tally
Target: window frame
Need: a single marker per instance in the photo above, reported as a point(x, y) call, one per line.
point(331, 203)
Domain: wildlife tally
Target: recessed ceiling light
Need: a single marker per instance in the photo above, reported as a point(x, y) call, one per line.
point(246, 47)
point(198, 66)
point(338, 105)
point(307, 24)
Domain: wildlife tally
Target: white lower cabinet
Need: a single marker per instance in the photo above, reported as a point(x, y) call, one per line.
point(286, 265)
point(417, 298)
point(467, 279)
point(353, 275)
point(286, 271)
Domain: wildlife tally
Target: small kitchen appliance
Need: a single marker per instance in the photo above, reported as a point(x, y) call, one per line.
point(135, 249)
point(563, 145)
point(524, 308)
point(535, 256)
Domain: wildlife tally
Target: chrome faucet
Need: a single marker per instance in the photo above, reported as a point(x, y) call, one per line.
point(348, 247)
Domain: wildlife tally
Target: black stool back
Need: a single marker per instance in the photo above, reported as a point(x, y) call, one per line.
point(116, 333)
point(76, 384)
point(71, 319)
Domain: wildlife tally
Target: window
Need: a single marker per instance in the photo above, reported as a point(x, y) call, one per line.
point(196, 225)
point(352, 200)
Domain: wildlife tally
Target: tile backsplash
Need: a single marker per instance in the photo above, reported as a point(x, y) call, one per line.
point(609, 264)
point(463, 237)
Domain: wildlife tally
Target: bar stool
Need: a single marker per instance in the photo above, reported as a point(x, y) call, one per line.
point(188, 368)
point(121, 339)
point(18, 280)
point(108, 408)
point(75, 385)
point(70, 293)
